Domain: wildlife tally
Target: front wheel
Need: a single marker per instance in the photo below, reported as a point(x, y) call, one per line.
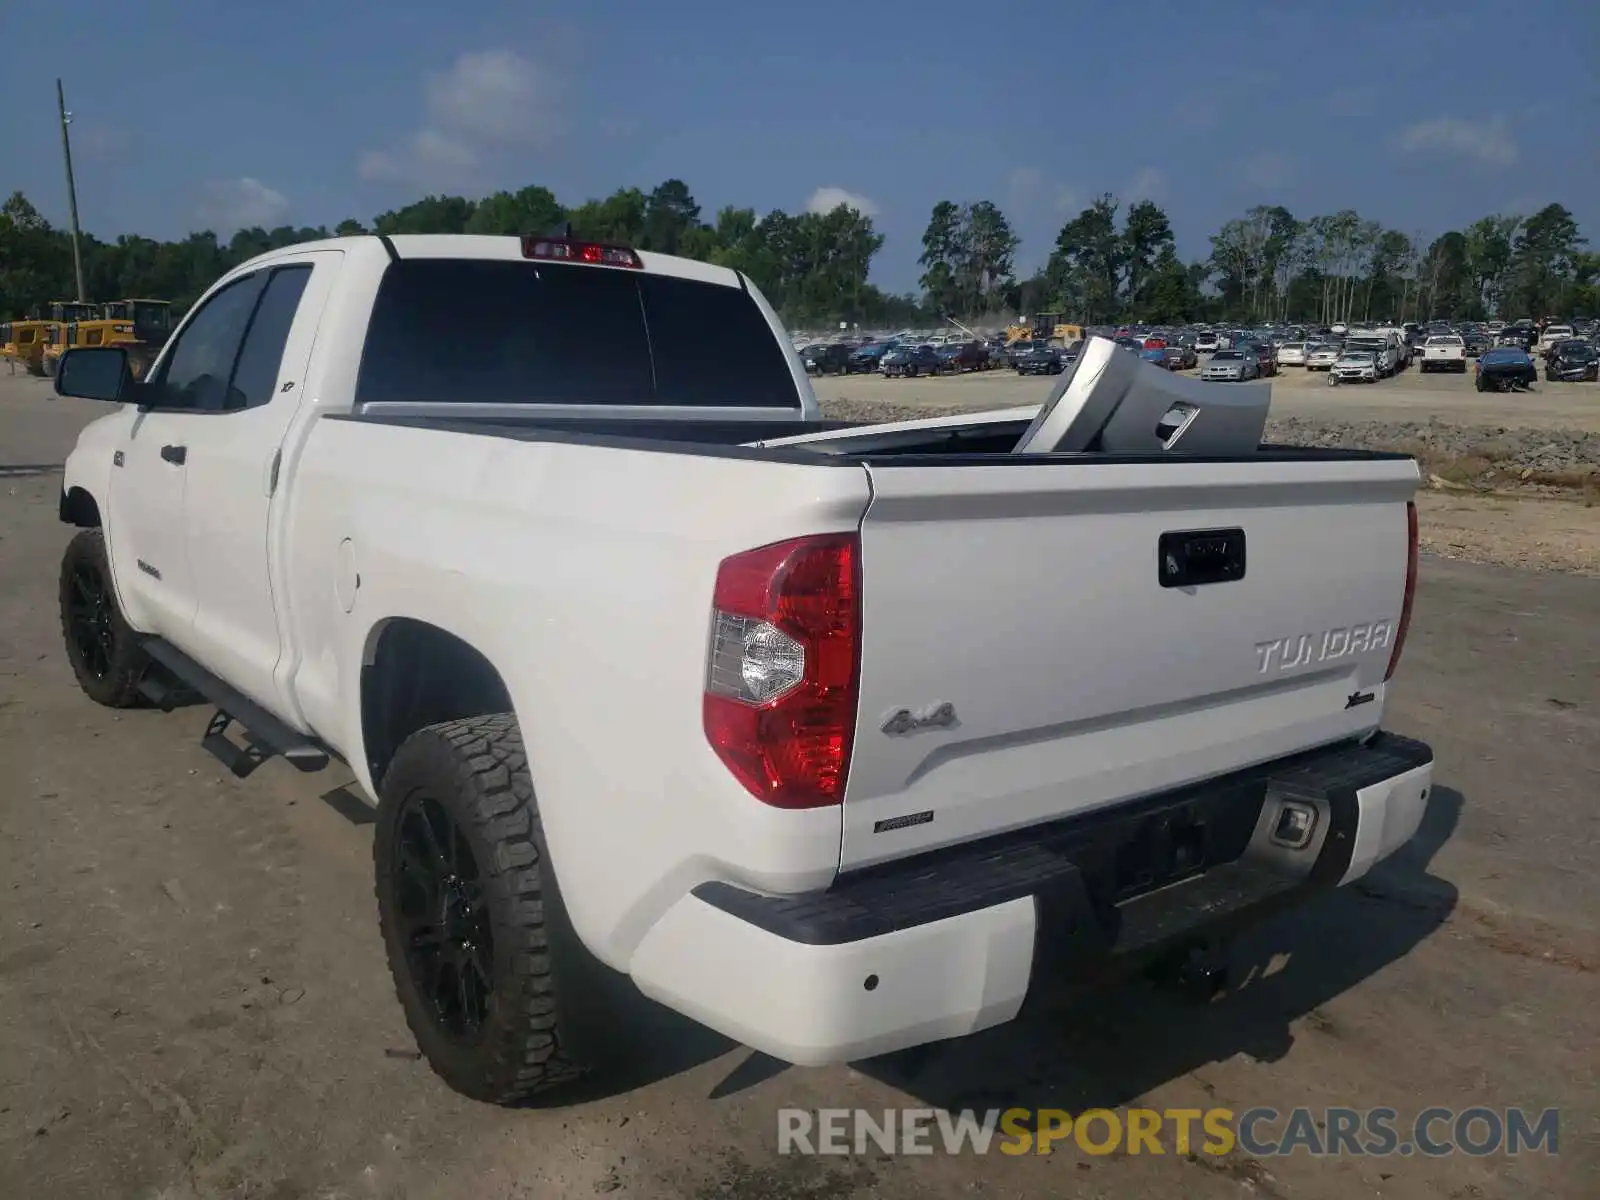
point(466, 904)
point(1333, 380)
point(104, 652)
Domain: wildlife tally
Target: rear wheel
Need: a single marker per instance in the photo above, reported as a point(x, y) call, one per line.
point(104, 652)
point(466, 900)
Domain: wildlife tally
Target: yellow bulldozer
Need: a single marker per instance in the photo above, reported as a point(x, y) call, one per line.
point(1044, 327)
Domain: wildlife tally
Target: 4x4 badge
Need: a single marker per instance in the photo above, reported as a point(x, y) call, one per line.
point(935, 716)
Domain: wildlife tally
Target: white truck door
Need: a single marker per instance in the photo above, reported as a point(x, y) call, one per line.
point(149, 478)
point(234, 468)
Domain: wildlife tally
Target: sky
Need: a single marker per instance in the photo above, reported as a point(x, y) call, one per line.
point(1422, 114)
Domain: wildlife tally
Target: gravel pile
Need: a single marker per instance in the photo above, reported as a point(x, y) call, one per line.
point(1464, 453)
point(1535, 449)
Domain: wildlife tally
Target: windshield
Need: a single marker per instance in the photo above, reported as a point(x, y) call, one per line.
point(487, 331)
point(1359, 356)
point(1227, 356)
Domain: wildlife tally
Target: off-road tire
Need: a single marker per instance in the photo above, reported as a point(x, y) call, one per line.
point(477, 771)
point(118, 685)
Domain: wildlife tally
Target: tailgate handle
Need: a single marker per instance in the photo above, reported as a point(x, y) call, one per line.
point(1192, 557)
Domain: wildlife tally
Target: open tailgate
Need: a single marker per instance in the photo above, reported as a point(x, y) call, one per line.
point(1022, 658)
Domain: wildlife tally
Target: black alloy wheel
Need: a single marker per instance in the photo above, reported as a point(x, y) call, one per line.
point(443, 919)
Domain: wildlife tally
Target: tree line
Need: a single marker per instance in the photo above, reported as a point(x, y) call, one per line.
point(1108, 263)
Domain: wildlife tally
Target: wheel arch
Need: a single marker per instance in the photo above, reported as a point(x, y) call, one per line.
point(415, 674)
point(79, 507)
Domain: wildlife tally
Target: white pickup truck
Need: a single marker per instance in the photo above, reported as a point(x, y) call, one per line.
point(837, 744)
point(1444, 352)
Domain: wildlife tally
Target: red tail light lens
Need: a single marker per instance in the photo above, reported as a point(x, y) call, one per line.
point(1411, 590)
point(561, 250)
point(784, 663)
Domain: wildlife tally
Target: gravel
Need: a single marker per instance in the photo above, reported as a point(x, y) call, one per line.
point(1487, 455)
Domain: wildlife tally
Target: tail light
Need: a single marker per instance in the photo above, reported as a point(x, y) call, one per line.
point(1411, 590)
point(784, 663)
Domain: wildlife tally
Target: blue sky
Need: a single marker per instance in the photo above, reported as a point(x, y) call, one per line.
point(1424, 115)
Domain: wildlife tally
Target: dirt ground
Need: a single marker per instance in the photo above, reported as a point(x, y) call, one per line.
point(1527, 530)
point(194, 1003)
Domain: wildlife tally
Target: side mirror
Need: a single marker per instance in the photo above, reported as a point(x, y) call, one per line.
point(95, 373)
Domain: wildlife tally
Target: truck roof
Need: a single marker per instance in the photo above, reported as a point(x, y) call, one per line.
point(483, 246)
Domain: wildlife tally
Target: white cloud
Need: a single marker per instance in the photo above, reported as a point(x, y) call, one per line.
point(1488, 142)
point(486, 101)
point(1146, 184)
point(230, 204)
point(826, 199)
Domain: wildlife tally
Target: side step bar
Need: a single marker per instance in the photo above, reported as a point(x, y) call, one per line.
point(268, 735)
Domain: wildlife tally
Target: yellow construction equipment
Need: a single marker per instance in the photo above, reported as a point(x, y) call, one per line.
point(23, 342)
point(143, 326)
point(1044, 327)
point(73, 310)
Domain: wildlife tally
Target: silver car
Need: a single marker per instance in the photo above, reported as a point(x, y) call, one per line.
point(1321, 357)
point(1355, 366)
point(1231, 366)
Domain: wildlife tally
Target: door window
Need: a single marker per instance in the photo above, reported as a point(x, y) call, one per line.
point(196, 372)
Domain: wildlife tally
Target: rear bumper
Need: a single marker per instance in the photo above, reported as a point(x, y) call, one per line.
point(951, 942)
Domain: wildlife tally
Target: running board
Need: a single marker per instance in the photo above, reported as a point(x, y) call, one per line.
point(267, 734)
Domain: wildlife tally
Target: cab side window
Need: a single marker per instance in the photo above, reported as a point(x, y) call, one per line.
point(255, 375)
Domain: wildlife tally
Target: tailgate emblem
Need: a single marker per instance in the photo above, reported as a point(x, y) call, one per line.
point(1284, 654)
point(935, 716)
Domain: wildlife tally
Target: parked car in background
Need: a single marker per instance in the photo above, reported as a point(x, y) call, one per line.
point(1206, 342)
point(1505, 369)
point(1266, 357)
point(1292, 354)
point(1231, 366)
point(1572, 361)
point(1187, 359)
point(1156, 356)
point(1355, 366)
point(830, 359)
point(1381, 348)
point(911, 361)
point(964, 356)
point(1477, 342)
point(1554, 335)
point(867, 359)
point(1444, 352)
point(1320, 356)
point(1040, 358)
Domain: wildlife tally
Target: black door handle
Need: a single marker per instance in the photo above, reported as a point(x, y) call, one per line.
point(175, 454)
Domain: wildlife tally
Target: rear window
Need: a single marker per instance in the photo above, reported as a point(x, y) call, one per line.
point(485, 331)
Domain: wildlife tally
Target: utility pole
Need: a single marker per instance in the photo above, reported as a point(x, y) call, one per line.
point(72, 192)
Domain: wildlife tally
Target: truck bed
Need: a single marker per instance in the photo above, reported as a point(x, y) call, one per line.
point(1025, 592)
